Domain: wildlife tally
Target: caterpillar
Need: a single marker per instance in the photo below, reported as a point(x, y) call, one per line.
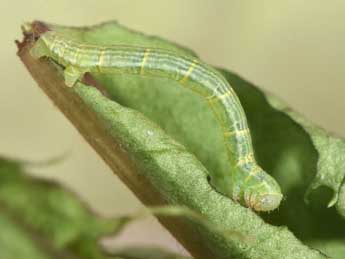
point(249, 184)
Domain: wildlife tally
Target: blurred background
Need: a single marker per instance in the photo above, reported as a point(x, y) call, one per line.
point(294, 49)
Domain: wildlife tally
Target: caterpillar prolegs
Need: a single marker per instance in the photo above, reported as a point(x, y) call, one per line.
point(249, 185)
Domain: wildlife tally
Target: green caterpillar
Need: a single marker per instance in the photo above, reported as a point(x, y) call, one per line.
point(250, 185)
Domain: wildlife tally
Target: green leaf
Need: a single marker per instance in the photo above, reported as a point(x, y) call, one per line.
point(40, 219)
point(293, 150)
point(330, 168)
point(145, 253)
point(283, 147)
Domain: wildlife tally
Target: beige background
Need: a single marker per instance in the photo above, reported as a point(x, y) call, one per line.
point(293, 48)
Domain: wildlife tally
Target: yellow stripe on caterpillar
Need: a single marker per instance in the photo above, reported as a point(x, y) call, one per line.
point(236, 132)
point(252, 173)
point(246, 159)
point(100, 60)
point(145, 57)
point(189, 72)
point(216, 98)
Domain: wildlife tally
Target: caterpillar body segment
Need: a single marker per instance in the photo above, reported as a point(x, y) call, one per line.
point(249, 184)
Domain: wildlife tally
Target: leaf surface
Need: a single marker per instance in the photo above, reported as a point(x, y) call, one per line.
point(177, 159)
point(41, 219)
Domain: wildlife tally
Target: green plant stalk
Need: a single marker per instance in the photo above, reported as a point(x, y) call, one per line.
point(160, 171)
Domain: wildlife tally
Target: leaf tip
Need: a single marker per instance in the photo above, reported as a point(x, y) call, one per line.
point(333, 201)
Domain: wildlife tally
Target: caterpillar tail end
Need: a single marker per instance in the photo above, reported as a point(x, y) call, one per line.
point(39, 50)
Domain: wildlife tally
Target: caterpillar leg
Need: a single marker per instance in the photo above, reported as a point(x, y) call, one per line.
point(72, 75)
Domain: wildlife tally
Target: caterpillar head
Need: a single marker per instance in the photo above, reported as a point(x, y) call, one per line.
point(262, 193)
point(253, 188)
point(266, 202)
